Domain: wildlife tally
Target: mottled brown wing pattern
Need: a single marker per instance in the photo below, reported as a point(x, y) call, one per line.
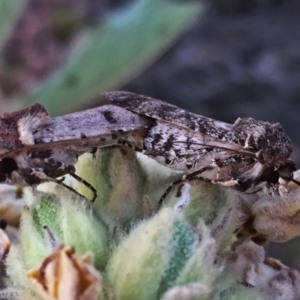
point(248, 152)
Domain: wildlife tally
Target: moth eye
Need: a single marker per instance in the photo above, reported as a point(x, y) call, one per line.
point(8, 165)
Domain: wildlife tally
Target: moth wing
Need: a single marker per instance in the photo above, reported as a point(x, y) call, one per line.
point(174, 115)
point(156, 109)
point(91, 123)
point(85, 130)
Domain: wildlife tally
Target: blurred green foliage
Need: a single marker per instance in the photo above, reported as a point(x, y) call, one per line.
point(9, 14)
point(114, 51)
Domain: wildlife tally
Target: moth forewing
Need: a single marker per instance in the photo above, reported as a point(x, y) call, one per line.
point(249, 153)
point(93, 124)
point(160, 110)
point(37, 148)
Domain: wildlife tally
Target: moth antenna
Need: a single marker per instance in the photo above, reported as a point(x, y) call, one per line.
point(296, 181)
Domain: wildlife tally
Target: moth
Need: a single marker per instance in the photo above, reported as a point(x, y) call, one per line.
point(35, 148)
point(247, 156)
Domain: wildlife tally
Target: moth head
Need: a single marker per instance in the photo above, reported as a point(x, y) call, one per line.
point(286, 170)
point(7, 166)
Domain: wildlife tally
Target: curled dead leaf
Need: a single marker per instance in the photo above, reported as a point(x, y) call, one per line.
point(64, 275)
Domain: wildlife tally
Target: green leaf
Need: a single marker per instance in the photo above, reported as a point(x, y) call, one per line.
point(116, 50)
point(9, 15)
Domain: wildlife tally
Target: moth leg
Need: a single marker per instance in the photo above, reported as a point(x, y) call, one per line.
point(60, 182)
point(220, 164)
point(88, 185)
point(215, 163)
point(182, 179)
point(41, 175)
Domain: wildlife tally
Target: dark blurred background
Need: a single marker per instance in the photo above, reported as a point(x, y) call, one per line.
point(228, 59)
